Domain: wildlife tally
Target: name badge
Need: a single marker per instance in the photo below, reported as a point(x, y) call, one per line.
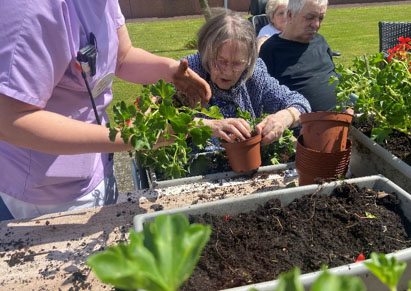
point(102, 84)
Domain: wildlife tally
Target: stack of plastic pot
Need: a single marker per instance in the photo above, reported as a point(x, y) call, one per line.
point(323, 148)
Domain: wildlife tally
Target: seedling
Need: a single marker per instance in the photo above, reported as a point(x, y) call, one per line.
point(279, 151)
point(160, 258)
point(387, 270)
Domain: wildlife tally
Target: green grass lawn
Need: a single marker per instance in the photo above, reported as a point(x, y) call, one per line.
point(353, 31)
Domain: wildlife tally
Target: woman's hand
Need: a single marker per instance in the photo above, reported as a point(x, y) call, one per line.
point(230, 129)
point(191, 84)
point(273, 126)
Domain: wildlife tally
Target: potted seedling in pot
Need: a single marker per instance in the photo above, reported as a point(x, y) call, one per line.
point(159, 128)
point(244, 156)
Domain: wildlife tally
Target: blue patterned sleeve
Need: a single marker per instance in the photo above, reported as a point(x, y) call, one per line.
point(275, 97)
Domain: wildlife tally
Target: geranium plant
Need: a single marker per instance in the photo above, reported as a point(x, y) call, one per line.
point(382, 85)
point(159, 128)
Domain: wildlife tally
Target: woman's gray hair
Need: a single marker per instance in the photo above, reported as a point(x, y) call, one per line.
point(225, 25)
point(295, 6)
point(271, 7)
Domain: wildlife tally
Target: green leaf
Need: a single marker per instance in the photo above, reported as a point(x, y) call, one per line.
point(387, 270)
point(290, 281)
point(176, 246)
point(112, 134)
point(180, 122)
point(370, 215)
point(200, 135)
point(212, 112)
point(159, 258)
point(167, 111)
point(163, 89)
point(329, 281)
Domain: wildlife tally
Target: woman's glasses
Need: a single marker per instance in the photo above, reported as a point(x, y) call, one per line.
point(236, 67)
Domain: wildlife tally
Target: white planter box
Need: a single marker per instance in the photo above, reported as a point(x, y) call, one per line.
point(247, 203)
point(146, 179)
point(369, 158)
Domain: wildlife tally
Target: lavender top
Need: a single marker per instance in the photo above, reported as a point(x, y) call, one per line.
point(39, 41)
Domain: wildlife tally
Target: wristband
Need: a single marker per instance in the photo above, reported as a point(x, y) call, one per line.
point(292, 115)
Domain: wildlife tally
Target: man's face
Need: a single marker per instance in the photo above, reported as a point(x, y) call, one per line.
point(304, 25)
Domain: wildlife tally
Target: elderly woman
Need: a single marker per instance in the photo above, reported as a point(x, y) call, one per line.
point(276, 11)
point(227, 59)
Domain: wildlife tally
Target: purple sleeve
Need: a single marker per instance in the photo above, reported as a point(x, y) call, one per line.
point(119, 19)
point(34, 49)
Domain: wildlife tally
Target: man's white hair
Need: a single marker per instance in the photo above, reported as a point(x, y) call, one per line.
point(295, 6)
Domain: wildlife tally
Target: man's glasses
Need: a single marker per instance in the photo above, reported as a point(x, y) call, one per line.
point(223, 65)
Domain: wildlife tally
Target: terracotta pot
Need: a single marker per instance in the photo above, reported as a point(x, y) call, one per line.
point(313, 166)
point(325, 131)
point(244, 156)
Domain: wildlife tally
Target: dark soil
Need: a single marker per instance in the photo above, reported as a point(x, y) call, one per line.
point(399, 144)
point(312, 231)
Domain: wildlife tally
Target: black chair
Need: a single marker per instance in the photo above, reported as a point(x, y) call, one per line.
point(389, 32)
point(259, 21)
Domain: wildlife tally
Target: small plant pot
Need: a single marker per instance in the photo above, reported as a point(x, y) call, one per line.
point(244, 156)
point(325, 131)
point(314, 166)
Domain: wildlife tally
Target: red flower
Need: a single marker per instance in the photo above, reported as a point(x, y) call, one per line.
point(129, 123)
point(227, 217)
point(360, 258)
point(401, 51)
point(404, 39)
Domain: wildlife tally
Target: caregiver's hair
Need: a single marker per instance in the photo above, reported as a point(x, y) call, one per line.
point(295, 6)
point(223, 26)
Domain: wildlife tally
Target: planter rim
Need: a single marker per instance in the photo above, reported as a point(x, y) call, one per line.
point(252, 140)
point(154, 184)
point(326, 115)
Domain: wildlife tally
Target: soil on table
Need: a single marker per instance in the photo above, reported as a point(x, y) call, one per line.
point(310, 232)
point(398, 143)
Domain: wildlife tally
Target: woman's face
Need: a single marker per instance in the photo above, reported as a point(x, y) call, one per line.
point(231, 61)
point(280, 17)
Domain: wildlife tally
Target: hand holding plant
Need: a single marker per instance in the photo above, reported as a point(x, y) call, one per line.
point(278, 151)
point(155, 117)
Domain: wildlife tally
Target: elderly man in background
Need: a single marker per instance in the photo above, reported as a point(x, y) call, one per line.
point(300, 57)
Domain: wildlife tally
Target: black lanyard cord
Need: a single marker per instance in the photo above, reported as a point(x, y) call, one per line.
point(83, 74)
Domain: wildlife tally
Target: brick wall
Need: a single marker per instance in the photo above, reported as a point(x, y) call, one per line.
point(170, 8)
